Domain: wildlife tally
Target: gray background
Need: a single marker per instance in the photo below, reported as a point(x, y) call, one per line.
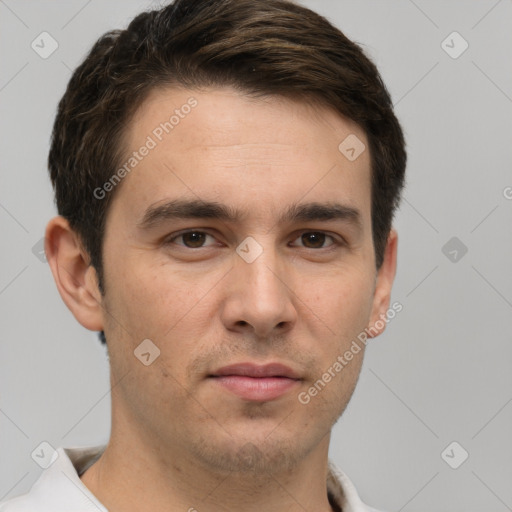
point(442, 370)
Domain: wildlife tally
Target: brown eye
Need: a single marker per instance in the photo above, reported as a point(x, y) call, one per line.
point(191, 239)
point(315, 240)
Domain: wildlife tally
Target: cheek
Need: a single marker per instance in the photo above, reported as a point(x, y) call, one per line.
point(166, 305)
point(344, 302)
point(150, 298)
point(150, 303)
point(345, 306)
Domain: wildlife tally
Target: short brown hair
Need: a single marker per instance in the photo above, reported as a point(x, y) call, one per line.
point(259, 47)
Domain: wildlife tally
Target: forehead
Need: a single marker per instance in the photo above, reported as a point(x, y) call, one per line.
point(216, 113)
point(252, 153)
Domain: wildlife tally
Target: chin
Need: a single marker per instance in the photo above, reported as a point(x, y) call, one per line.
point(262, 453)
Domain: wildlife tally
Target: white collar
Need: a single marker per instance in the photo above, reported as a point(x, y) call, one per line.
point(59, 488)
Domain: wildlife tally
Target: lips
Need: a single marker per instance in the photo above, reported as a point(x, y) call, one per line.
point(257, 371)
point(260, 383)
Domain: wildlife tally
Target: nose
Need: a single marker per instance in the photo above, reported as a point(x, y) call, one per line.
point(259, 298)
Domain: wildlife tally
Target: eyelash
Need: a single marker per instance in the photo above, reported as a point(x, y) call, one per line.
point(335, 242)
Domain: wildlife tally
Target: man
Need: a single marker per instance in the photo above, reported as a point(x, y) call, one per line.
point(226, 173)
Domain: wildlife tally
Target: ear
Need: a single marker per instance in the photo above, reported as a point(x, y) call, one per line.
point(384, 283)
point(75, 278)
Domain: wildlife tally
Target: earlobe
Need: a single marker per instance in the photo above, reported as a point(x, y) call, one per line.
point(383, 286)
point(74, 277)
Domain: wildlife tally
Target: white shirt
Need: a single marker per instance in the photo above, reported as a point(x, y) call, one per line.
point(59, 488)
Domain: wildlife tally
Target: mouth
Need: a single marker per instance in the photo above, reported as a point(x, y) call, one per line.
point(257, 383)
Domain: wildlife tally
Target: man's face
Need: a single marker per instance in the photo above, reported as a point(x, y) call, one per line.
point(296, 293)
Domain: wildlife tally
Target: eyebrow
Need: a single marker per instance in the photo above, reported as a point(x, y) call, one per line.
point(198, 209)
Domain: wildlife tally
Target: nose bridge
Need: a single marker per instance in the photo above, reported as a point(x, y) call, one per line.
point(258, 268)
point(262, 300)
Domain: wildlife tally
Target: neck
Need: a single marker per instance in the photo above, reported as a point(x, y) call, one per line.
point(134, 474)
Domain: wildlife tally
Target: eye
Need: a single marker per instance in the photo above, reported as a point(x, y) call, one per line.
point(195, 239)
point(191, 239)
point(316, 240)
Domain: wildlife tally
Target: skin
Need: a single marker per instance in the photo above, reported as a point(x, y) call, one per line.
point(177, 436)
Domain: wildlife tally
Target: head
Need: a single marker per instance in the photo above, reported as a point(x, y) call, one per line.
point(204, 132)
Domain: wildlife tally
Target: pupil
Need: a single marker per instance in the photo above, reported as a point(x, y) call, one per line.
point(193, 239)
point(313, 239)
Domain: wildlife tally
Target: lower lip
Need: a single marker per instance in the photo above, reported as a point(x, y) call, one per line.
point(257, 389)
